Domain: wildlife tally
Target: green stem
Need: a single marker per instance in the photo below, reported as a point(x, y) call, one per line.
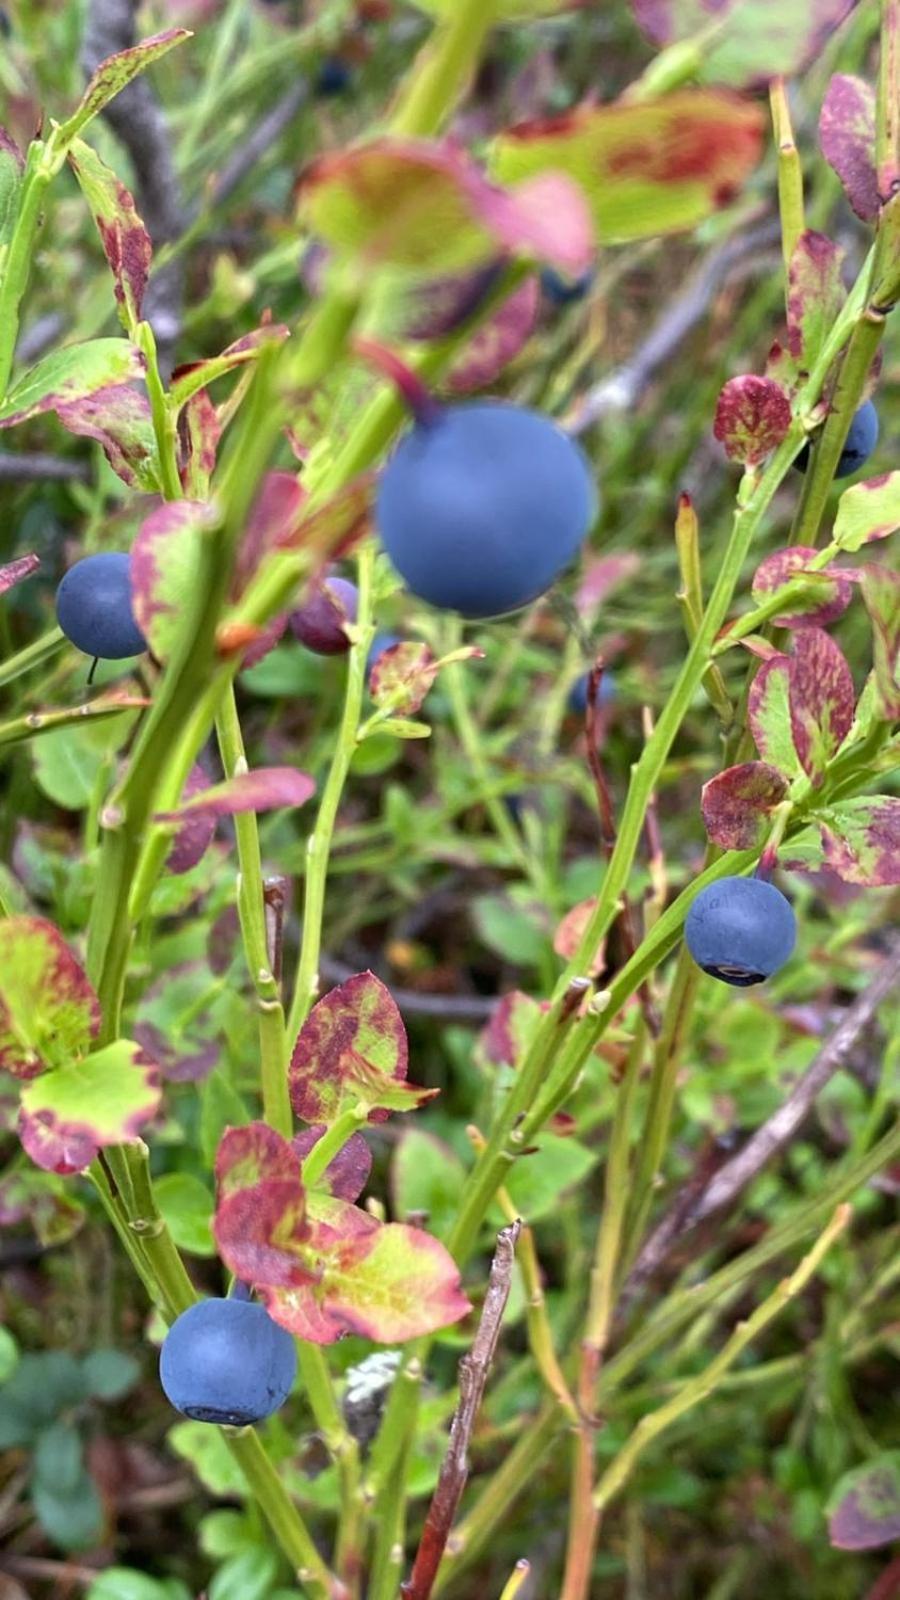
point(33, 655)
point(251, 910)
point(444, 69)
point(887, 112)
point(698, 1388)
point(318, 846)
point(332, 1143)
point(41, 165)
point(163, 416)
point(819, 478)
point(790, 176)
point(282, 1515)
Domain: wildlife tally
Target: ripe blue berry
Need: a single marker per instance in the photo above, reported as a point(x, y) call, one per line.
point(93, 607)
point(483, 505)
point(740, 930)
point(578, 694)
point(380, 643)
point(565, 291)
point(334, 77)
point(319, 622)
point(226, 1361)
point(860, 442)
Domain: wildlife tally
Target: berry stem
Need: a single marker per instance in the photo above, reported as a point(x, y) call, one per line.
point(416, 395)
point(34, 655)
point(331, 1144)
point(790, 176)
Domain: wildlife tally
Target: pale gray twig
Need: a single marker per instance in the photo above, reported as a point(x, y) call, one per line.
point(39, 468)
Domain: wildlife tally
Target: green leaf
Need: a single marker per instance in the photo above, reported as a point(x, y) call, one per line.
point(426, 1176)
point(248, 1576)
point(124, 1583)
point(227, 1533)
point(510, 930)
point(205, 1448)
point(11, 168)
point(110, 1373)
point(221, 1107)
point(41, 1386)
point(59, 1459)
point(9, 1355)
point(868, 511)
point(125, 240)
point(73, 1521)
point(646, 167)
point(403, 728)
point(754, 42)
point(537, 1181)
point(69, 374)
point(112, 75)
point(67, 761)
point(69, 1114)
point(187, 1207)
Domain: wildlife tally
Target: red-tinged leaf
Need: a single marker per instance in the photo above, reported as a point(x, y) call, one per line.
point(387, 1283)
point(864, 1507)
point(67, 375)
point(868, 511)
point(427, 208)
point(603, 576)
point(752, 417)
point(504, 1040)
point(352, 1050)
point(347, 1175)
point(125, 240)
point(861, 840)
point(265, 640)
point(49, 1012)
point(755, 40)
point(192, 376)
point(822, 699)
point(881, 596)
point(847, 141)
point(402, 676)
point(647, 168)
point(253, 1155)
point(195, 835)
point(14, 572)
point(118, 417)
point(436, 308)
point(265, 789)
point(829, 592)
point(115, 72)
point(199, 432)
point(769, 715)
point(165, 563)
point(782, 368)
point(498, 341)
point(70, 1114)
point(571, 930)
point(273, 524)
point(737, 804)
point(815, 296)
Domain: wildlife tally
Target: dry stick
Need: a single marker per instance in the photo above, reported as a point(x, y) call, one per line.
point(734, 1176)
point(473, 1376)
point(622, 389)
point(256, 143)
point(473, 1008)
point(40, 468)
point(137, 118)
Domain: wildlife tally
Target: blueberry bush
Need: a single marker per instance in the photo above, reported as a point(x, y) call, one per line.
point(450, 827)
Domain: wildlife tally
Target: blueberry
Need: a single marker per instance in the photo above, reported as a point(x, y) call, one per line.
point(740, 930)
point(333, 78)
point(380, 643)
point(318, 622)
point(93, 607)
point(483, 505)
point(860, 442)
point(578, 694)
point(226, 1361)
point(562, 291)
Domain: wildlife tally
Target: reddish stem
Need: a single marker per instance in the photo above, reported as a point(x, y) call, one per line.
point(424, 407)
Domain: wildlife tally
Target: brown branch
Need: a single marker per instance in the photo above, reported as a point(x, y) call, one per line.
point(275, 898)
point(473, 1376)
point(734, 1176)
point(477, 1009)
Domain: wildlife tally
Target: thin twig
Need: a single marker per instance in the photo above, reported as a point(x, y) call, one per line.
point(734, 1176)
point(40, 468)
point(473, 1376)
point(474, 1008)
point(258, 142)
point(39, 336)
point(137, 118)
point(621, 390)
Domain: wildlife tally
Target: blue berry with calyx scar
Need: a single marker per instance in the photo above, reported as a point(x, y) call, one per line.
point(858, 446)
point(740, 930)
point(380, 643)
point(578, 694)
point(93, 607)
point(562, 291)
point(226, 1361)
point(483, 505)
point(333, 78)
